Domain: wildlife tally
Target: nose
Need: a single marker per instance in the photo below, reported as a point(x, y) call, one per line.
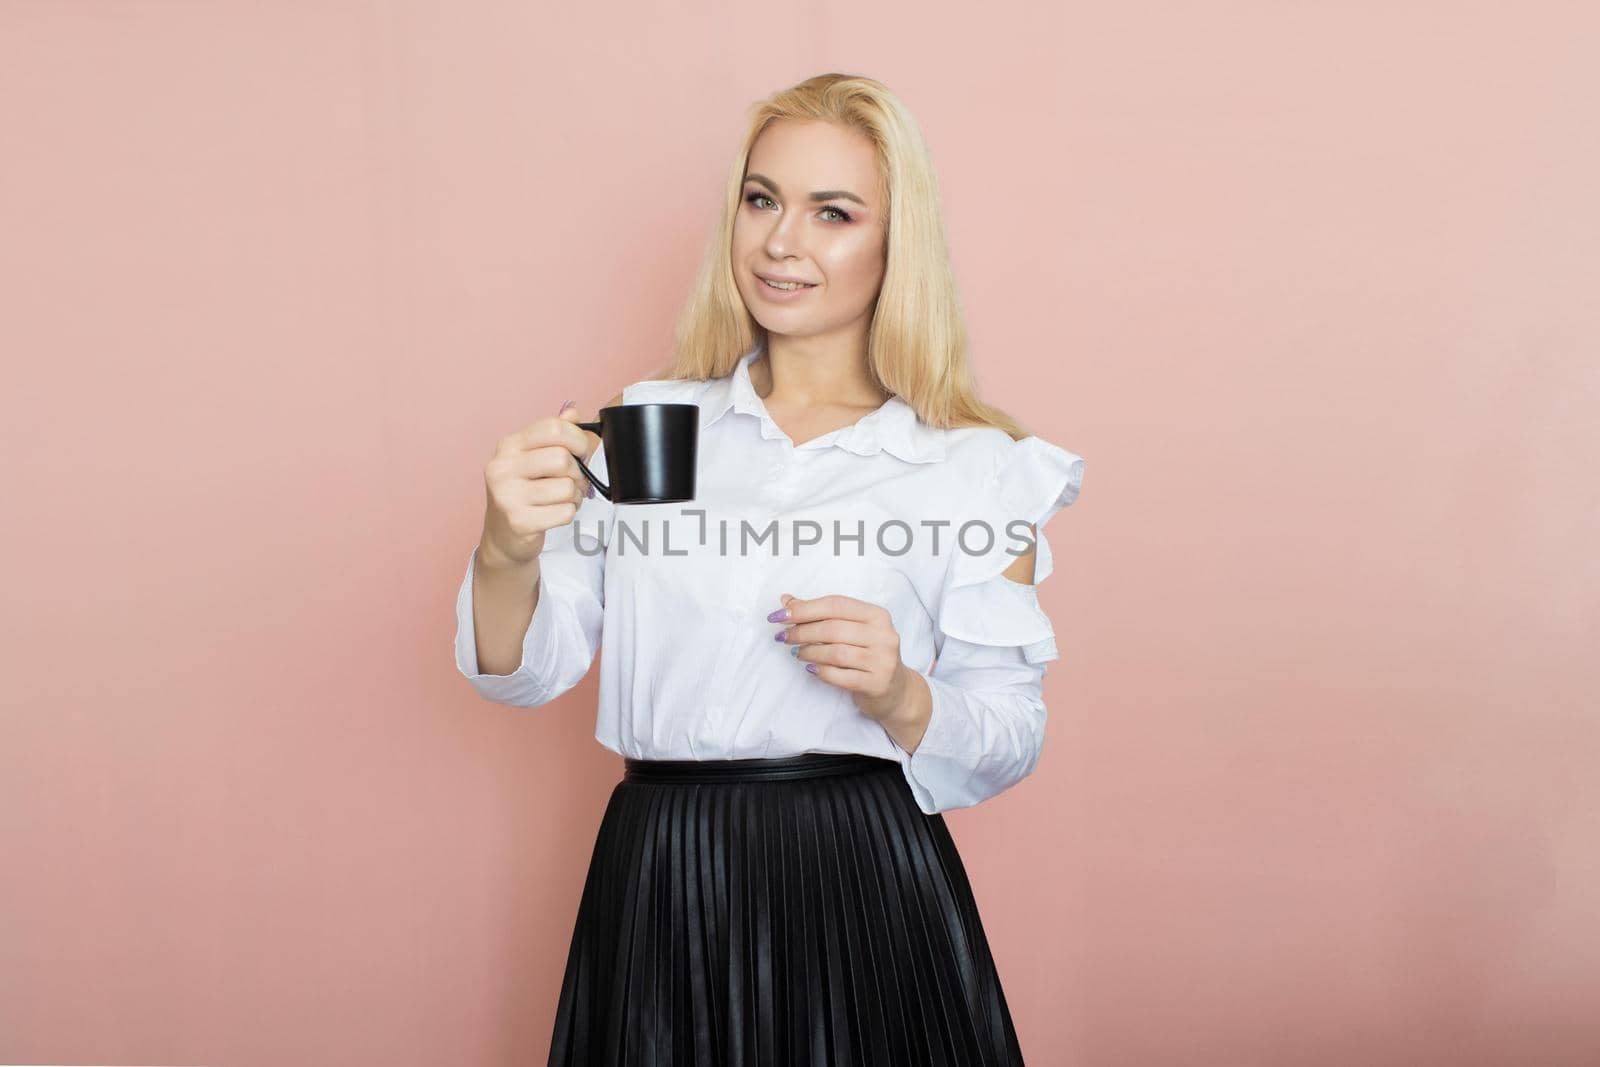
point(782, 241)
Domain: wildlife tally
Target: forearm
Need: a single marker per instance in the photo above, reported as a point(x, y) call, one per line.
point(909, 720)
point(504, 597)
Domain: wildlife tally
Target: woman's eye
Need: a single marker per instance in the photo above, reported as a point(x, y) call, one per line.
point(756, 198)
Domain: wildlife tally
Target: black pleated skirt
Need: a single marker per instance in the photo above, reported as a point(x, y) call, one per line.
point(771, 912)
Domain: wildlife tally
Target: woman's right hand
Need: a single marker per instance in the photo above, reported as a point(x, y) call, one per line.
point(533, 485)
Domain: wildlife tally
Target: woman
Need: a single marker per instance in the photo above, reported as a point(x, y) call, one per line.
point(772, 882)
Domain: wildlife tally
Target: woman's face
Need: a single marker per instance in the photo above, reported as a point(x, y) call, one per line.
point(834, 242)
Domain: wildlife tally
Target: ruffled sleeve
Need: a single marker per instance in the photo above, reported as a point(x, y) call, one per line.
point(1032, 480)
point(987, 715)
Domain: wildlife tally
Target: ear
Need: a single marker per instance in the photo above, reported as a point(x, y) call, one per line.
point(1021, 569)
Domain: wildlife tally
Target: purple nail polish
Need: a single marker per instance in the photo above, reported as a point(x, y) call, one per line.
point(781, 635)
point(565, 406)
point(812, 667)
point(778, 616)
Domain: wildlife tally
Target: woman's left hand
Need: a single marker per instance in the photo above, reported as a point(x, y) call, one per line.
point(851, 644)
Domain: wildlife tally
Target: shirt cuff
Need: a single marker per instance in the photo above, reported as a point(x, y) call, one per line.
point(962, 762)
point(928, 769)
point(538, 646)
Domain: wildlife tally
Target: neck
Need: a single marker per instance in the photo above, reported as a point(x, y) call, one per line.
point(814, 372)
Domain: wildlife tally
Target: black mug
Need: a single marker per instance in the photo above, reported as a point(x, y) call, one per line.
point(650, 452)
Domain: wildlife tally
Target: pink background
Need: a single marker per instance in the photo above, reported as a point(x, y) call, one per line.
point(1312, 288)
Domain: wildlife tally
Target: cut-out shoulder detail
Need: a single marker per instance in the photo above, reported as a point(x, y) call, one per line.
point(988, 603)
point(1021, 569)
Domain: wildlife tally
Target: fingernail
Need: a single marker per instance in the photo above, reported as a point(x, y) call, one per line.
point(781, 635)
point(812, 667)
point(794, 650)
point(565, 406)
point(778, 616)
point(590, 493)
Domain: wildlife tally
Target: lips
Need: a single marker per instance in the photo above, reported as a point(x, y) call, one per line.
point(786, 282)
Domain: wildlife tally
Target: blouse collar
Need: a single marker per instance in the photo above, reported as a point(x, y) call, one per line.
point(893, 428)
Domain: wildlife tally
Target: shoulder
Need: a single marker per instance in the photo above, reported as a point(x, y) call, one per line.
point(976, 446)
point(663, 391)
point(1017, 485)
point(1036, 476)
point(988, 451)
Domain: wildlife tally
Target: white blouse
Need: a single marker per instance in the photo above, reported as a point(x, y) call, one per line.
point(889, 510)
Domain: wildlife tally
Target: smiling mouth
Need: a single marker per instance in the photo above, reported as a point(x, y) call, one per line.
point(787, 287)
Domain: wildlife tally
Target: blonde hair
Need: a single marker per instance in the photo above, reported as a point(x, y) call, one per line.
point(917, 344)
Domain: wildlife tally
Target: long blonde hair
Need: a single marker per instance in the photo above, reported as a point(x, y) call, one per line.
point(917, 344)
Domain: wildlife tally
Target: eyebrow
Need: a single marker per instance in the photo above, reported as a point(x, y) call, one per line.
point(826, 194)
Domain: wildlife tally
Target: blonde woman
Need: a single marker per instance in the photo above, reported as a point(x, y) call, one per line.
point(836, 641)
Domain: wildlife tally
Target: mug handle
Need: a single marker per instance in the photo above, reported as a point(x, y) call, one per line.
point(605, 490)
